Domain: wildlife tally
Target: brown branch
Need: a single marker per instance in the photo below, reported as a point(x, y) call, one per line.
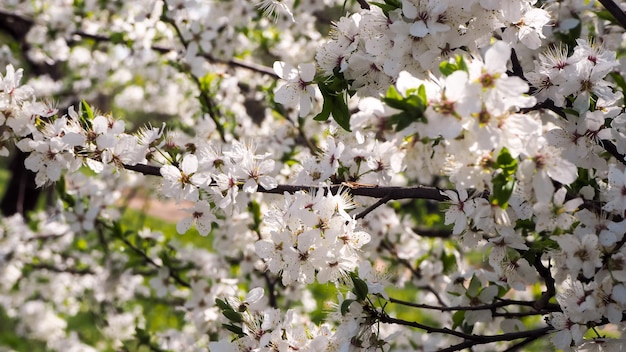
point(50, 267)
point(470, 339)
point(389, 193)
point(491, 306)
point(485, 339)
point(550, 283)
point(371, 208)
point(364, 4)
point(432, 233)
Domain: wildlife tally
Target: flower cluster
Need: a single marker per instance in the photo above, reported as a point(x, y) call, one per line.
point(503, 110)
point(312, 236)
point(371, 49)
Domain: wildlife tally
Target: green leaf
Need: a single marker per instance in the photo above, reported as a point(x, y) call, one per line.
point(341, 113)
point(504, 181)
point(392, 93)
point(334, 103)
point(117, 38)
point(345, 306)
point(412, 107)
point(449, 262)
point(235, 329)
point(460, 63)
point(255, 209)
point(457, 319)
point(447, 68)
point(327, 107)
point(421, 93)
point(86, 115)
point(233, 316)
point(86, 109)
point(402, 120)
point(502, 190)
point(474, 287)
point(506, 162)
point(388, 6)
point(223, 305)
point(360, 287)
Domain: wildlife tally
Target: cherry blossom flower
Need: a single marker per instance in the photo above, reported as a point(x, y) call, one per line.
point(203, 217)
point(457, 212)
point(183, 183)
point(616, 195)
point(11, 93)
point(298, 89)
point(581, 253)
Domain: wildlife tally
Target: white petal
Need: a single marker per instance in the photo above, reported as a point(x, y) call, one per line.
point(254, 295)
point(170, 172)
point(190, 164)
point(183, 225)
point(307, 72)
point(419, 29)
point(497, 56)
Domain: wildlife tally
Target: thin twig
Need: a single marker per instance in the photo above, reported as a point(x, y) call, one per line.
point(371, 208)
point(390, 248)
point(141, 253)
point(50, 267)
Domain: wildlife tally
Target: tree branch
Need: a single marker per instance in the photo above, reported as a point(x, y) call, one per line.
point(50, 267)
point(364, 4)
point(491, 306)
point(371, 208)
point(550, 284)
point(616, 11)
point(470, 339)
point(388, 193)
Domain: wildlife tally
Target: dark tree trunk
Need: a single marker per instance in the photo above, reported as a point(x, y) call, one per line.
point(21, 195)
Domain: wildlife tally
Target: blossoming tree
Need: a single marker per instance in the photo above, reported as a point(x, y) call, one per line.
point(356, 175)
